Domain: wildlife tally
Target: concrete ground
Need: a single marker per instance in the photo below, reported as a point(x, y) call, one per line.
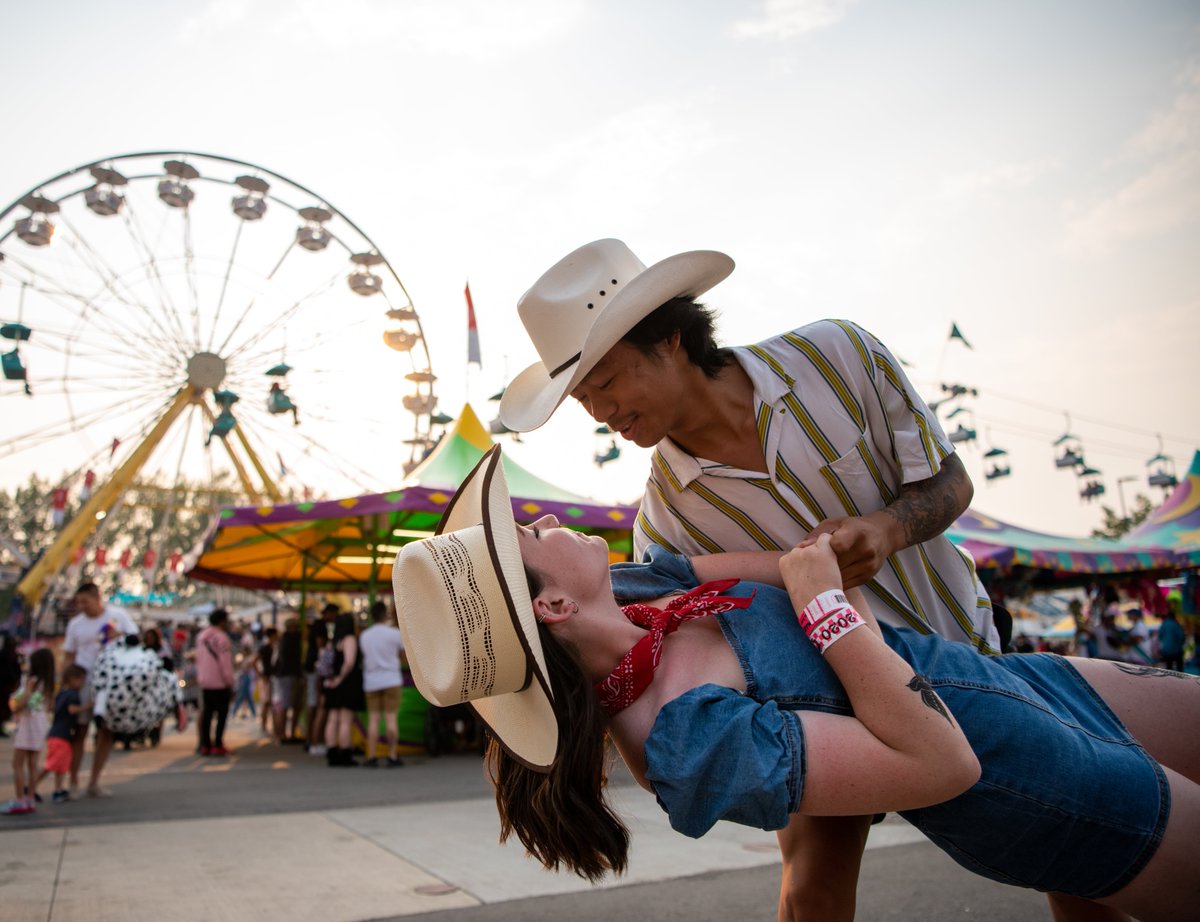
point(272, 833)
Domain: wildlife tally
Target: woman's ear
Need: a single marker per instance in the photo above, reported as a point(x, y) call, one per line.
point(552, 607)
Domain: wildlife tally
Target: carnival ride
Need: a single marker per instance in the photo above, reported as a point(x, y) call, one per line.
point(177, 316)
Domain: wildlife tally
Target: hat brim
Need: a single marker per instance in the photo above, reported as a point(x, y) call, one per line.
point(532, 396)
point(523, 721)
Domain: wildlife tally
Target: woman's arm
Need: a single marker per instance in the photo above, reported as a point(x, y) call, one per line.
point(755, 566)
point(903, 748)
point(349, 655)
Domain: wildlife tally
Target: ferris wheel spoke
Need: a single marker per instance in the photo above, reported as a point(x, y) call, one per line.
point(270, 277)
point(336, 462)
point(137, 234)
point(283, 318)
point(98, 265)
point(82, 307)
point(212, 333)
point(189, 270)
point(34, 437)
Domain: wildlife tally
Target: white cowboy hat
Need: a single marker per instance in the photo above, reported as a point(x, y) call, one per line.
point(462, 602)
point(582, 307)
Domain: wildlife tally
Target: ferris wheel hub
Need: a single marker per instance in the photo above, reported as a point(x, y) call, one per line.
point(206, 370)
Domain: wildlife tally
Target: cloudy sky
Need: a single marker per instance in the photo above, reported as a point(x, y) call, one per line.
point(1029, 171)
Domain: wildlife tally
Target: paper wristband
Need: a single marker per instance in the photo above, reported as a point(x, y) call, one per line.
point(828, 618)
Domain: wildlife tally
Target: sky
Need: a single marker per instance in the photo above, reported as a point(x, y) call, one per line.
point(1027, 171)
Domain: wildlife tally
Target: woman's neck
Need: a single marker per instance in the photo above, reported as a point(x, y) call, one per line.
point(600, 634)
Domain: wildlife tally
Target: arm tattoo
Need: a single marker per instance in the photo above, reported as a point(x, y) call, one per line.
point(930, 699)
point(928, 507)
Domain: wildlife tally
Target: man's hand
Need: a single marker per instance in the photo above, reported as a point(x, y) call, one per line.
point(862, 544)
point(922, 510)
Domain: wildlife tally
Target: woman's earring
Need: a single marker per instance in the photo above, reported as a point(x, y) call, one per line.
point(575, 610)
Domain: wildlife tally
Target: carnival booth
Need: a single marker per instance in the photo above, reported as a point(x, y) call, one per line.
point(348, 545)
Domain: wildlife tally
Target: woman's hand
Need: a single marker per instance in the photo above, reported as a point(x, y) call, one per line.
point(810, 570)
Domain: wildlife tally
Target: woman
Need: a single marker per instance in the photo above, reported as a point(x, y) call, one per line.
point(1009, 764)
point(343, 693)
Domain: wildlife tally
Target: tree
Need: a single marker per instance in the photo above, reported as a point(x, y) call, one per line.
point(156, 516)
point(1116, 526)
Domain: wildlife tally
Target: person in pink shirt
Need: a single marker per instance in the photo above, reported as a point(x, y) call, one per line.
point(214, 674)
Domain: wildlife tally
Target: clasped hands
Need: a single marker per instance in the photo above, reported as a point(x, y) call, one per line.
point(862, 544)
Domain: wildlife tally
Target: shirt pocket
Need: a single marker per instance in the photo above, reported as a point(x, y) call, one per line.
point(857, 479)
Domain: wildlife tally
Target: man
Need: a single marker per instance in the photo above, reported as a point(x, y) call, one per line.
point(814, 431)
point(214, 675)
point(285, 677)
point(96, 624)
point(266, 665)
point(382, 648)
point(1170, 641)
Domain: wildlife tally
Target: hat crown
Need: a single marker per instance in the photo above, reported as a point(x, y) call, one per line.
point(472, 651)
point(562, 306)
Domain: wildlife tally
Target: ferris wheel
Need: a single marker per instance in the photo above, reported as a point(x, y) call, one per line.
point(174, 316)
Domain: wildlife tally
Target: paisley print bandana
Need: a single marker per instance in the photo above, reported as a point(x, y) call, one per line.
point(635, 671)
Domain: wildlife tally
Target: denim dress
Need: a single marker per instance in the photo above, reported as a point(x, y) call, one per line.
point(1068, 801)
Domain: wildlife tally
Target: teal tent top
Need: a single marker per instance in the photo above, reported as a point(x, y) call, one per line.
point(995, 544)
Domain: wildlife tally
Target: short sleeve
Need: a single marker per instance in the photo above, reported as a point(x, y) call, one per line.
point(660, 573)
point(901, 416)
point(714, 754)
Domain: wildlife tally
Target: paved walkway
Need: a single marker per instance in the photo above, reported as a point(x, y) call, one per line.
point(272, 833)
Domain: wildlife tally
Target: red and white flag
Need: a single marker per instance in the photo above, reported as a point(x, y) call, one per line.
point(472, 332)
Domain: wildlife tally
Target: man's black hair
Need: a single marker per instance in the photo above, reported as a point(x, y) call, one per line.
point(694, 323)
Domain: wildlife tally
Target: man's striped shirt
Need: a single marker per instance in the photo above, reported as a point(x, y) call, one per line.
point(842, 429)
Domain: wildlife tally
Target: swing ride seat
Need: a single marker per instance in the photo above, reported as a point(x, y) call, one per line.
point(279, 402)
point(222, 425)
point(14, 369)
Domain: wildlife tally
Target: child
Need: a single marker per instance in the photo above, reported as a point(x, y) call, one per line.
point(67, 706)
point(30, 705)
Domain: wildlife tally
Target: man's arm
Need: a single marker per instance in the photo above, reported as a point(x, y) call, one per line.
point(922, 510)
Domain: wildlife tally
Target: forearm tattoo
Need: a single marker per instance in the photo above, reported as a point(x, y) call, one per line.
point(1155, 672)
point(929, 697)
point(928, 507)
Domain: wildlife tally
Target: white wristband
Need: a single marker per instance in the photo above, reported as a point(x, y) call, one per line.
point(828, 618)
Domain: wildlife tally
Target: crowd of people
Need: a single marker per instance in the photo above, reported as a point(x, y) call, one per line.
point(1105, 629)
point(302, 690)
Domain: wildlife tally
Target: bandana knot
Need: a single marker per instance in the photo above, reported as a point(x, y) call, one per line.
point(635, 671)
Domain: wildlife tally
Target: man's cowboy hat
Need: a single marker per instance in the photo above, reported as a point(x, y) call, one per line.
point(582, 306)
point(463, 606)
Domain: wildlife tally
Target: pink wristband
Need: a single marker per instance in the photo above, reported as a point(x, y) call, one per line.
point(827, 618)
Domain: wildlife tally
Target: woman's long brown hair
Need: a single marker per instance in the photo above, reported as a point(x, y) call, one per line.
point(562, 817)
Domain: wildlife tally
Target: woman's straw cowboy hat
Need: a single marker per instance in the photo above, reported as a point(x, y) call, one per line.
point(462, 602)
point(582, 307)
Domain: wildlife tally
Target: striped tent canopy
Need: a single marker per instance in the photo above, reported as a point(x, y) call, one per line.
point(349, 544)
point(1176, 523)
point(997, 545)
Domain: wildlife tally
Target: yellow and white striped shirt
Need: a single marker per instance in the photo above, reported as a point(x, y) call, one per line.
point(842, 429)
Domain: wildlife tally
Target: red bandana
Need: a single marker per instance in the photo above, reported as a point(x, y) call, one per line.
point(635, 672)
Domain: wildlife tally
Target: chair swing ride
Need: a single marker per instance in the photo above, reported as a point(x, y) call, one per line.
point(169, 314)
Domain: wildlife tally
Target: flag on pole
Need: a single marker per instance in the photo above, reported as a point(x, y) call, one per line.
point(472, 331)
point(956, 333)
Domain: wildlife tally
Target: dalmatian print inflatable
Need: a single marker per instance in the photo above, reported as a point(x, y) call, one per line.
point(133, 690)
